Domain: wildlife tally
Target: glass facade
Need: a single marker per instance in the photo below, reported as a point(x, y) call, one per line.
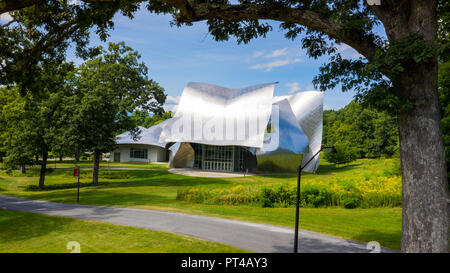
point(219, 158)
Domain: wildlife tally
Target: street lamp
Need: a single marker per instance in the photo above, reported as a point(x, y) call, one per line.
point(297, 204)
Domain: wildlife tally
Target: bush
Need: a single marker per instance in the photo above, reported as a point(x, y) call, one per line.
point(351, 203)
point(365, 192)
point(345, 153)
point(267, 198)
point(238, 195)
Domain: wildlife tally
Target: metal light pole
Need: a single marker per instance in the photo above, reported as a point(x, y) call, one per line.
point(78, 188)
point(297, 203)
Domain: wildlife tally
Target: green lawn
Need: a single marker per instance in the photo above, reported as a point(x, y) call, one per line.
point(35, 233)
point(103, 164)
point(158, 190)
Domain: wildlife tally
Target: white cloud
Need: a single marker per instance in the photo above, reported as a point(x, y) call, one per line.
point(347, 52)
point(171, 103)
point(276, 53)
point(5, 17)
point(310, 87)
point(257, 54)
point(268, 66)
point(326, 107)
point(293, 87)
point(173, 100)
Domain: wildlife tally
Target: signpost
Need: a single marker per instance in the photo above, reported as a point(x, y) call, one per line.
point(76, 172)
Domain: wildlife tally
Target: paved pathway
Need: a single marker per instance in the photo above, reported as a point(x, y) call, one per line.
point(244, 235)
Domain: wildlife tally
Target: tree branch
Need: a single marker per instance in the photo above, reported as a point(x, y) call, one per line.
point(192, 11)
point(11, 5)
point(198, 10)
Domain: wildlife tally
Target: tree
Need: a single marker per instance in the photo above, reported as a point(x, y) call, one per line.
point(444, 96)
point(30, 122)
point(13, 141)
point(372, 133)
point(42, 31)
point(106, 89)
point(345, 153)
point(142, 118)
point(398, 72)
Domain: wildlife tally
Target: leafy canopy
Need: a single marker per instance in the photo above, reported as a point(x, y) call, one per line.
point(107, 89)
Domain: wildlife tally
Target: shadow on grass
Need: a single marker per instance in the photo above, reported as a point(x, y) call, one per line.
point(20, 226)
point(329, 169)
point(63, 186)
point(105, 198)
point(137, 179)
point(391, 240)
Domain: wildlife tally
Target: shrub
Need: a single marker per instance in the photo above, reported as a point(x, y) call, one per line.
point(345, 153)
point(267, 198)
point(351, 203)
point(360, 192)
point(235, 196)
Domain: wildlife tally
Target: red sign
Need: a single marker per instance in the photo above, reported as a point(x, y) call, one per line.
point(75, 172)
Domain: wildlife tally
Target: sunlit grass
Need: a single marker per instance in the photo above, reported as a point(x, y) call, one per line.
point(35, 233)
point(158, 190)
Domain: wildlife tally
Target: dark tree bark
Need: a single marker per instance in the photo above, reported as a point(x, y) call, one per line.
point(60, 158)
point(43, 168)
point(77, 155)
point(425, 200)
point(23, 169)
point(425, 215)
point(97, 155)
point(11, 5)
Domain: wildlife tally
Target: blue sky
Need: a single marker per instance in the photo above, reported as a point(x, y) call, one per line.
point(176, 56)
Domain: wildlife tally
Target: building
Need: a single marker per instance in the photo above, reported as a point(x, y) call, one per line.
point(233, 130)
point(140, 146)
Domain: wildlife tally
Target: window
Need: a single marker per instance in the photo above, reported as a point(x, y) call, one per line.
point(138, 153)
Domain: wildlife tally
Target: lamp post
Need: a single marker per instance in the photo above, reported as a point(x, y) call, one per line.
point(297, 204)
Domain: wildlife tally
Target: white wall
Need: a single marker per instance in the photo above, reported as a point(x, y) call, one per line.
point(154, 153)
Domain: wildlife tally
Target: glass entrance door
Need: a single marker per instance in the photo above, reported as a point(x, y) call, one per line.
point(218, 158)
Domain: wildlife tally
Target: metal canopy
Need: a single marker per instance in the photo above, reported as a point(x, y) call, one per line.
point(215, 115)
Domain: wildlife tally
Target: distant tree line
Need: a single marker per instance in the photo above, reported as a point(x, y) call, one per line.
point(359, 131)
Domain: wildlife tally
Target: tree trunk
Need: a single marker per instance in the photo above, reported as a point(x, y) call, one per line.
point(425, 215)
point(61, 158)
point(97, 155)
point(77, 155)
point(43, 168)
point(23, 169)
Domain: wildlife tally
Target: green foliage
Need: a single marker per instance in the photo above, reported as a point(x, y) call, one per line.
point(345, 153)
point(106, 89)
point(42, 34)
point(237, 195)
point(359, 132)
point(369, 192)
point(31, 123)
point(351, 203)
point(444, 99)
point(142, 118)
